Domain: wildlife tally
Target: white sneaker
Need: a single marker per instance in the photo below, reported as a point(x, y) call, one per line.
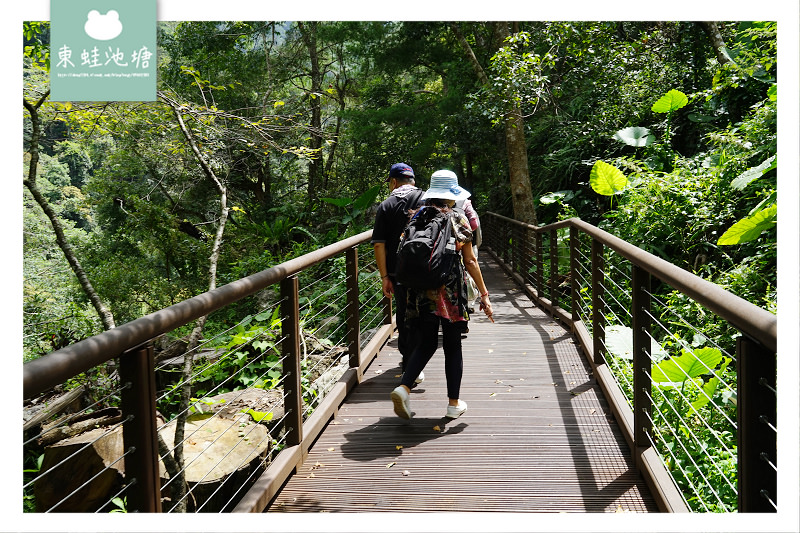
point(454, 411)
point(420, 378)
point(400, 400)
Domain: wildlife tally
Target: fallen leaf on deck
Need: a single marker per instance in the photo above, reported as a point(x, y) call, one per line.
point(406, 472)
point(390, 465)
point(331, 449)
point(398, 447)
point(437, 428)
point(493, 394)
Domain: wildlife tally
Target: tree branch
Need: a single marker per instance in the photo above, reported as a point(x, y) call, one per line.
point(106, 317)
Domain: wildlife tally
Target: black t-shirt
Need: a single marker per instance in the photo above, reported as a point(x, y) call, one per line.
point(392, 217)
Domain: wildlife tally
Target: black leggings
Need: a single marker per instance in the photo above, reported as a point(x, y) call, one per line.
point(428, 342)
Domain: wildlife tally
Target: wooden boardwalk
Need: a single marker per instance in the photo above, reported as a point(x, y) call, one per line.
point(538, 435)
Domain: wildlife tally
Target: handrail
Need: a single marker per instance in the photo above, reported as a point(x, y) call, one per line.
point(755, 361)
point(56, 367)
point(748, 318)
point(132, 343)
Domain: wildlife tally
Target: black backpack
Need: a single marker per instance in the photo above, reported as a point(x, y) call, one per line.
point(427, 250)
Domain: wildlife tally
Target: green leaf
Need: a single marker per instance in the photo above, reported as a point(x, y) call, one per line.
point(752, 174)
point(262, 345)
point(619, 342)
point(772, 92)
point(749, 228)
point(635, 136)
point(259, 416)
point(338, 202)
point(607, 179)
point(558, 196)
point(688, 365)
point(708, 389)
point(367, 198)
point(672, 101)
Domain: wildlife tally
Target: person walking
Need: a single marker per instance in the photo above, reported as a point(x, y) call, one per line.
point(392, 216)
point(445, 306)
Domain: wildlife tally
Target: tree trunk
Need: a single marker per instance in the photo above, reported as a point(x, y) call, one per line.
point(194, 338)
point(516, 148)
point(712, 30)
point(315, 168)
point(517, 153)
point(106, 317)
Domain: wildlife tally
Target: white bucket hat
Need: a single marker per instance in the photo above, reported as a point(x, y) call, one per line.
point(444, 185)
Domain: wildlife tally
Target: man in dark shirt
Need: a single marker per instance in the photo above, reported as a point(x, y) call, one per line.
point(390, 220)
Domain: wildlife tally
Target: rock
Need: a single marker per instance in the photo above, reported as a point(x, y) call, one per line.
point(91, 454)
point(221, 456)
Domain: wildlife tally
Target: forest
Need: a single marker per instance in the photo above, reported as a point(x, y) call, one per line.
point(268, 140)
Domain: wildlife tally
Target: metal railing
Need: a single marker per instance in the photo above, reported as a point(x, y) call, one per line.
point(265, 387)
point(699, 414)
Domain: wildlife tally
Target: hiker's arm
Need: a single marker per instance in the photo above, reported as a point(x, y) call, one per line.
point(474, 270)
point(380, 259)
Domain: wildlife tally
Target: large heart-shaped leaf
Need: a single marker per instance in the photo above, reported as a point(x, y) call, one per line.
point(688, 365)
point(607, 179)
point(672, 101)
point(748, 229)
point(619, 342)
point(558, 196)
point(753, 173)
point(635, 136)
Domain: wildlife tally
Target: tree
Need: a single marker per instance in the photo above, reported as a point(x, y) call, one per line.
point(105, 314)
point(197, 332)
point(514, 125)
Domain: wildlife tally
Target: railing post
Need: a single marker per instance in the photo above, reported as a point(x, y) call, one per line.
point(598, 307)
point(292, 388)
point(138, 402)
point(506, 245)
point(539, 263)
point(574, 290)
point(642, 367)
point(756, 419)
point(353, 315)
point(554, 267)
point(515, 249)
point(530, 253)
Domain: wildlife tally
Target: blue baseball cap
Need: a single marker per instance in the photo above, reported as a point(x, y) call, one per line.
point(400, 170)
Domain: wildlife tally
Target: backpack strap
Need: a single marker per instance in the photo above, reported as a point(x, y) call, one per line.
point(412, 200)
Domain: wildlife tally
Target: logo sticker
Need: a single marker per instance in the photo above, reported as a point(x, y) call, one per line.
point(102, 50)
